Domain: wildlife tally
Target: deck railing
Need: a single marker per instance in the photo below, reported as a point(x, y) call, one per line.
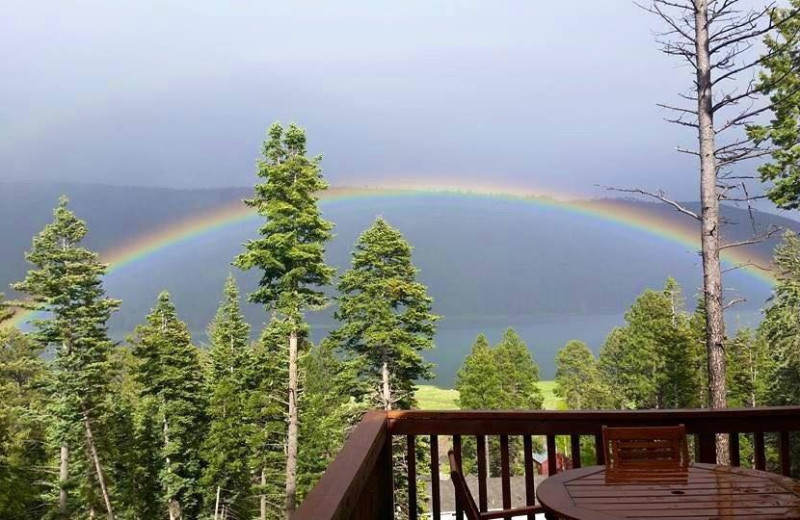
point(359, 482)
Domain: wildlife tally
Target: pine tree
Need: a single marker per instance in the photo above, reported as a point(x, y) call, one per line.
point(478, 380)
point(329, 412)
point(66, 283)
point(519, 373)
point(781, 325)
point(386, 316)
point(171, 384)
point(748, 359)
point(649, 363)
point(578, 379)
point(226, 478)
point(23, 440)
point(780, 80)
point(290, 255)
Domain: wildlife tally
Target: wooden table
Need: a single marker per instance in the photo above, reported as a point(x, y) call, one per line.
point(705, 492)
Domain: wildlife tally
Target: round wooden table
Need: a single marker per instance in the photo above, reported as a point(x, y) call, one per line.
point(706, 491)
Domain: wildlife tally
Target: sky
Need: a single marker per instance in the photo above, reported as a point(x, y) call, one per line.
point(547, 96)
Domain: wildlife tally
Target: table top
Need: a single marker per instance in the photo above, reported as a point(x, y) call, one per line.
point(706, 491)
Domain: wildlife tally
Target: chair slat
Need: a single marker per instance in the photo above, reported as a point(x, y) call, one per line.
point(642, 448)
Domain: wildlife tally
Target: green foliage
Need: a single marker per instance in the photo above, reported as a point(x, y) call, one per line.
point(781, 326)
point(386, 314)
point(226, 450)
point(578, 379)
point(23, 443)
point(290, 251)
point(66, 283)
point(478, 380)
point(171, 386)
point(749, 366)
point(329, 412)
point(780, 80)
point(651, 361)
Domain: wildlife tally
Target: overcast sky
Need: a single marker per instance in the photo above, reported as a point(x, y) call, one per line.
point(544, 95)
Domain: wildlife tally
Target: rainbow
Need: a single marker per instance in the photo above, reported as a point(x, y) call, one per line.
point(607, 210)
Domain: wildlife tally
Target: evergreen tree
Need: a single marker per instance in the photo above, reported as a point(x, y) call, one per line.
point(290, 255)
point(748, 359)
point(648, 363)
point(227, 477)
point(519, 374)
point(66, 283)
point(329, 412)
point(781, 326)
point(578, 379)
point(23, 441)
point(386, 316)
point(171, 384)
point(478, 380)
point(780, 80)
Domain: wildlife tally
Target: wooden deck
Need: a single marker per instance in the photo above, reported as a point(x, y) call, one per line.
point(359, 482)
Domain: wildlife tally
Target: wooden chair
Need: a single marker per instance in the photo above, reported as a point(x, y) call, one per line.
point(649, 450)
point(464, 496)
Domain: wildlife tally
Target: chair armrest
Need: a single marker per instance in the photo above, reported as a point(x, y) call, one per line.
point(512, 512)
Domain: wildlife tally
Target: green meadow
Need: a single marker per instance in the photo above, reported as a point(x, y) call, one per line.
point(431, 397)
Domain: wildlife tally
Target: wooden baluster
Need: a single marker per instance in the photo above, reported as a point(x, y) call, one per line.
point(733, 442)
point(552, 460)
point(483, 500)
point(575, 450)
point(436, 501)
point(705, 446)
point(530, 494)
point(599, 449)
point(457, 453)
point(758, 451)
point(505, 472)
point(412, 476)
point(786, 461)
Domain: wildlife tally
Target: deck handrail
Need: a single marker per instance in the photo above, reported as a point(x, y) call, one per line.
point(358, 483)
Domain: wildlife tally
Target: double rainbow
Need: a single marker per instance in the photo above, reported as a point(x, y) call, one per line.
point(626, 215)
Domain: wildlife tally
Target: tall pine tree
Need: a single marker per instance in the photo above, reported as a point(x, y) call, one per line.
point(227, 477)
point(290, 255)
point(386, 316)
point(66, 283)
point(172, 389)
point(578, 379)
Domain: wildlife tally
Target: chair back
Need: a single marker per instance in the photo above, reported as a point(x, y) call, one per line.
point(463, 493)
point(646, 449)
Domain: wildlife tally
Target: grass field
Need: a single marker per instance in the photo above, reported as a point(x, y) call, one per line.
point(431, 397)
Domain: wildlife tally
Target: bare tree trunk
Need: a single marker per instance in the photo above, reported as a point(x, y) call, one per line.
point(291, 436)
point(712, 272)
point(386, 393)
point(216, 505)
point(63, 477)
point(101, 479)
point(263, 494)
point(175, 510)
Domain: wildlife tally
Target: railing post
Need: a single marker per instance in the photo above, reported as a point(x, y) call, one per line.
point(385, 476)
